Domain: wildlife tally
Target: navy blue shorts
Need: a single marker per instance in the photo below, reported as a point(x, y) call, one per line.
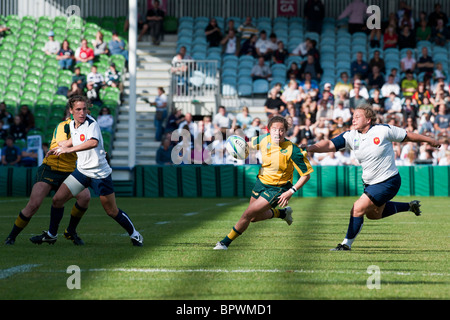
point(101, 187)
point(382, 192)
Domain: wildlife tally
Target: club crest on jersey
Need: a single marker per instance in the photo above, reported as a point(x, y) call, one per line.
point(82, 137)
point(376, 140)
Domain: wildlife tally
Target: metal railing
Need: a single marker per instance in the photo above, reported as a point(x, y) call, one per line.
point(192, 79)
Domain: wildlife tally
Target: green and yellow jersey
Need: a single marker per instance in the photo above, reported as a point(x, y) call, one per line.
point(279, 161)
point(66, 162)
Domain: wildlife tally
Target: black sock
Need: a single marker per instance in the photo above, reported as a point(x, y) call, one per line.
point(56, 215)
point(20, 223)
point(124, 220)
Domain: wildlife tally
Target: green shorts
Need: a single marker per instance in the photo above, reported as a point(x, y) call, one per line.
point(52, 177)
point(270, 193)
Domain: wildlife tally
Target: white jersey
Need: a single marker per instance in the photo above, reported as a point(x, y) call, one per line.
point(373, 150)
point(92, 163)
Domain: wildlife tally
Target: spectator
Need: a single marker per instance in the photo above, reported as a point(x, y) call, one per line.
point(161, 112)
point(356, 11)
point(247, 29)
point(321, 129)
point(445, 161)
point(436, 15)
point(3, 132)
point(406, 39)
point(105, 120)
point(100, 47)
point(306, 131)
point(425, 107)
point(376, 79)
point(425, 63)
point(224, 120)
point(11, 154)
point(213, 33)
point(154, 22)
point(389, 87)
point(17, 130)
point(423, 32)
point(254, 129)
point(292, 93)
point(359, 66)
point(443, 149)
point(393, 108)
point(249, 47)
point(293, 72)
point(343, 84)
point(84, 53)
point(174, 121)
point(314, 12)
point(261, 70)
point(363, 92)
point(426, 127)
point(440, 34)
point(65, 56)
point(377, 61)
point(230, 43)
point(302, 48)
point(409, 110)
point(113, 77)
point(208, 129)
point(342, 97)
point(75, 90)
point(356, 99)
point(406, 20)
point(390, 38)
point(244, 119)
point(280, 54)
point(27, 118)
point(312, 66)
point(189, 124)
point(5, 116)
point(264, 46)
point(442, 121)
point(377, 102)
point(117, 46)
point(408, 62)
point(231, 26)
point(79, 79)
point(309, 86)
point(95, 80)
point(325, 107)
point(409, 84)
point(273, 105)
point(164, 153)
point(51, 46)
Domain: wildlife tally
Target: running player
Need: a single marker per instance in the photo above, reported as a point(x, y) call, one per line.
point(92, 171)
point(372, 145)
point(273, 185)
point(50, 175)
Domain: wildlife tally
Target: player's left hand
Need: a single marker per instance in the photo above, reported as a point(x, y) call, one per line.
point(57, 151)
point(284, 199)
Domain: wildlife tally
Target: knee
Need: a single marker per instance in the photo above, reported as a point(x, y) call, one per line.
point(357, 210)
point(32, 207)
point(57, 202)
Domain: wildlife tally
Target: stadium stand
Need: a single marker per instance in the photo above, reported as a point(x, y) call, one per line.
point(28, 76)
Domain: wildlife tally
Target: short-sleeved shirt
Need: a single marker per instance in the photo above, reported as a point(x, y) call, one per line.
point(373, 150)
point(65, 162)
point(92, 163)
point(279, 161)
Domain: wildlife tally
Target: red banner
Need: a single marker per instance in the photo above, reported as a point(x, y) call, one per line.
point(287, 8)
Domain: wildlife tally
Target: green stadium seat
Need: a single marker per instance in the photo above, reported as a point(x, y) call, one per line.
point(38, 54)
point(13, 88)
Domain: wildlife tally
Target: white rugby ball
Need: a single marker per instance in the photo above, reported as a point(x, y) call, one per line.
point(237, 147)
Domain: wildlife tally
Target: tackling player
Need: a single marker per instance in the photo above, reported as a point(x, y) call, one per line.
point(50, 175)
point(274, 182)
point(92, 170)
point(372, 145)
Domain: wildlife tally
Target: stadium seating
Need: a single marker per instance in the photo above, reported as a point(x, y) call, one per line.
point(29, 76)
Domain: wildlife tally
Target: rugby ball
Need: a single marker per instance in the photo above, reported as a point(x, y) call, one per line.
point(237, 147)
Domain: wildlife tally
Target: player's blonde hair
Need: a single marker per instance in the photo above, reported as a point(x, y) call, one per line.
point(368, 112)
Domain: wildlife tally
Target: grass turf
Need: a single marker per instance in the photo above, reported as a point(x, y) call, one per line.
point(271, 260)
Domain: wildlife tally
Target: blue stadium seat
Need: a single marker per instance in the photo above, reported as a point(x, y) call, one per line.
point(245, 90)
point(260, 86)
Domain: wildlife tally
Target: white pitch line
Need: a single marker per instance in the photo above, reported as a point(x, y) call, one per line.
point(17, 269)
point(163, 270)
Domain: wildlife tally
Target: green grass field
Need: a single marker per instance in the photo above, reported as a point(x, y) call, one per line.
point(270, 261)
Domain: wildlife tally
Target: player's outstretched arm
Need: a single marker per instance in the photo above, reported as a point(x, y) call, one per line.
point(415, 137)
point(320, 147)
